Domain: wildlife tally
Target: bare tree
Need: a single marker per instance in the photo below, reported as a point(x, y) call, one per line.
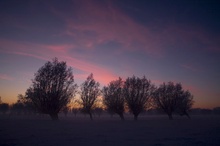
point(88, 95)
point(185, 103)
point(28, 106)
point(22, 98)
point(52, 88)
point(113, 97)
point(171, 97)
point(137, 91)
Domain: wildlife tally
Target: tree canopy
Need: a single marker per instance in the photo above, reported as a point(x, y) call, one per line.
point(52, 88)
point(171, 97)
point(113, 97)
point(88, 95)
point(137, 91)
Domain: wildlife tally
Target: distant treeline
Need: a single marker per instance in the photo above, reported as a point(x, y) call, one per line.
point(22, 109)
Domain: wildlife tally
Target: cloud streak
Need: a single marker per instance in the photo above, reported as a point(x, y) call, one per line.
point(92, 24)
point(6, 77)
point(189, 67)
point(47, 52)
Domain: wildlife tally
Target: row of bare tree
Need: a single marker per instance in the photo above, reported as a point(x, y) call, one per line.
point(53, 88)
point(139, 93)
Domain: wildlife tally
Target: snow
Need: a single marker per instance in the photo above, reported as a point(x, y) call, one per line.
point(109, 131)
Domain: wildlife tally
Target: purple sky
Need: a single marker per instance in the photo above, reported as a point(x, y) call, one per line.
point(164, 40)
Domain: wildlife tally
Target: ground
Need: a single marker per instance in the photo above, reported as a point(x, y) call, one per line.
point(109, 131)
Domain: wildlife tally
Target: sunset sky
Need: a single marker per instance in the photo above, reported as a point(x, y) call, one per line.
point(165, 40)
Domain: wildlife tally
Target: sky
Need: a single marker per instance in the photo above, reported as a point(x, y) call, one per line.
point(165, 40)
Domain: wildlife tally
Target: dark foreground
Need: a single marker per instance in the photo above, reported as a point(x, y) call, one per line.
point(106, 131)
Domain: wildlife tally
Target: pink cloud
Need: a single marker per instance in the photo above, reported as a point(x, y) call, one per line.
point(47, 52)
point(107, 23)
point(6, 77)
point(157, 82)
point(28, 55)
point(192, 88)
point(59, 48)
point(101, 74)
point(189, 67)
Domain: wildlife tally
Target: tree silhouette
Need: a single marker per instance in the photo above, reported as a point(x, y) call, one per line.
point(185, 103)
point(52, 88)
point(65, 110)
point(88, 95)
point(113, 97)
point(216, 110)
point(98, 111)
point(17, 108)
point(171, 97)
point(28, 106)
point(137, 91)
point(75, 110)
point(4, 107)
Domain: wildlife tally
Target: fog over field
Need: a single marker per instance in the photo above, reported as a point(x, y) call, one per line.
point(108, 131)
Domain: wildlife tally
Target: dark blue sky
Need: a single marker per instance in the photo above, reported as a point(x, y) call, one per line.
point(164, 40)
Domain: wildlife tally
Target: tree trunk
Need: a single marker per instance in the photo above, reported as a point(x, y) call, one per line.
point(122, 117)
point(135, 117)
point(90, 115)
point(187, 115)
point(54, 116)
point(170, 116)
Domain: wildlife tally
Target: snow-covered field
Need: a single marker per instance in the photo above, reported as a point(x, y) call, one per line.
point(107, 131)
